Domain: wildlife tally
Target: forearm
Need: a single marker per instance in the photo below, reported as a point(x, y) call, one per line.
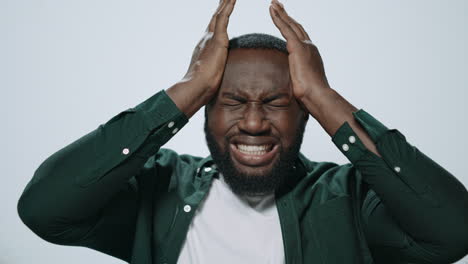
point(331, 110)
point(425, 200)
point(77, 181)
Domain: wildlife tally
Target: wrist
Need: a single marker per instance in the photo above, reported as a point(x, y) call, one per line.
point(315, 101)
point(189, 96)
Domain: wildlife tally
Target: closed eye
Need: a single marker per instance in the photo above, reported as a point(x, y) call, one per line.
point(233, 100)
point(278, 104)
point(281, 100)
point(232, 103)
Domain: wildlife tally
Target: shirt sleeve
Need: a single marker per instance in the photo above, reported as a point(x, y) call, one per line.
point(85, 193)
point(415, 209)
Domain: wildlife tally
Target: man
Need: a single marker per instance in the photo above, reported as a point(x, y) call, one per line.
point(256, 199)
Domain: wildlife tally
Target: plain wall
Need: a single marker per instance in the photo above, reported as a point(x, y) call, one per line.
point(68, 66)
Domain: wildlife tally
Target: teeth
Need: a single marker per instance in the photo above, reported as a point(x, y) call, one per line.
point(253, 149)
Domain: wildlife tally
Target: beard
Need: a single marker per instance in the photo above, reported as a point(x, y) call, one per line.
point(248, 184)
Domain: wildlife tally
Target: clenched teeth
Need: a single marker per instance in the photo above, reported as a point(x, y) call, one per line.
point(254, 149)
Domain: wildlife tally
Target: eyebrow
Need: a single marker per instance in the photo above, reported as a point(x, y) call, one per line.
point(233, 96)
point(276, 96)
point(242, 99)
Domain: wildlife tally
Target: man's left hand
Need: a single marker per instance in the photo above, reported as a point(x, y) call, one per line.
point(305, 63)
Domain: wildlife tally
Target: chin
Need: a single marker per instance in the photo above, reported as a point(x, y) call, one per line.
point(253, 171)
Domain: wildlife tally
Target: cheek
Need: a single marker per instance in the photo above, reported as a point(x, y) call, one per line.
point(287, 125)
point(221, 122)
point(288, 119)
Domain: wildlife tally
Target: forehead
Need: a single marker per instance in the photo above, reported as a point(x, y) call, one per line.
point(255, 71)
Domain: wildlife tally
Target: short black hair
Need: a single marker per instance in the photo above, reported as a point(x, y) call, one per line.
point(258, 41)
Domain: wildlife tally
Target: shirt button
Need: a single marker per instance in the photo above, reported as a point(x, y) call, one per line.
point(345, 147)
point(187, 208)
point(207, 169)
point(171, 124)
point(175, 130)
point(397, 169)
point(352, 139)
point(125, 151)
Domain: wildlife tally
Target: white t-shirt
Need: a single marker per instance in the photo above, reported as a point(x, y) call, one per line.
point(228, 228)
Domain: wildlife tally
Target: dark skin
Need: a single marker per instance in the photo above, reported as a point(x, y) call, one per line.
point(302, 78)
point(255, 105)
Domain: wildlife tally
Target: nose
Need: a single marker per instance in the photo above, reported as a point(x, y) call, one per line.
point(254, 121)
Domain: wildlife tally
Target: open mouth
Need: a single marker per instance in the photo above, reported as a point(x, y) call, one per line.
point(254, 155)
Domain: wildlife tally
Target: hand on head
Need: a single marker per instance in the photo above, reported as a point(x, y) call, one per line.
point(210, 55)
point(305, 63)
point(205, 72)
point(206, 68)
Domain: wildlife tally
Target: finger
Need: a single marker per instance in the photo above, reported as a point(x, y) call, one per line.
point(288, 19)
point(211, 25)
point(222, 20)
point(303, 31)
point(301, 28)
point(285, 29)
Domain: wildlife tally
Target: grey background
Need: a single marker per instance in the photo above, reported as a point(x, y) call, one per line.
point(68, 66)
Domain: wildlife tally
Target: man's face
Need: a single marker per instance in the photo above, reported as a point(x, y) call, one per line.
point(254, 125)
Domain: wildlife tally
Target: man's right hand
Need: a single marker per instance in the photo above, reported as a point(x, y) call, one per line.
point(207, 65)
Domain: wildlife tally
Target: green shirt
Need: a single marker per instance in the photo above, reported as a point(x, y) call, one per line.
point(117, 191)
